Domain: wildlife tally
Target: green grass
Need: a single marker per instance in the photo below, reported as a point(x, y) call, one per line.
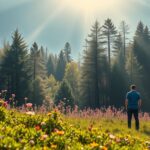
point(21, 131)
point(114, 126)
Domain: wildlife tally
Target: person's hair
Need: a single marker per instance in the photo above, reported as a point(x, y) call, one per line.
point(133, 87)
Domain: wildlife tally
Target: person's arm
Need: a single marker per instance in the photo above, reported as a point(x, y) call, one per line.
point(139, 103)
point(126, 103)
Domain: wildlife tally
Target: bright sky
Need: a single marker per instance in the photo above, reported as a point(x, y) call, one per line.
point(51, 23)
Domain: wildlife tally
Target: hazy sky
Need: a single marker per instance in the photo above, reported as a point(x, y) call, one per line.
point(51, 23)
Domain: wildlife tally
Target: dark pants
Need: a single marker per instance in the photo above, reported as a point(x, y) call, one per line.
point(135, 113)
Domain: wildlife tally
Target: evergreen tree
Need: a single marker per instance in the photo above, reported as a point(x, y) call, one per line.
point(141, 52)
point(38, 74)
point(43, 54)
point(61, 65)
point(64, 94)
point(67, 52)
point(124, 32)
point(44, 58)
point(4, 80)
point(118, 86)
point(91, 70)
point(109, 32)
point(118, 74)
point(52, 86)
point(119, 51)
point(50, 65)
point(138, 51)
point(36, 62)
point(72, 78)
point(38, 91)
point(134, 69)
point(15, 67)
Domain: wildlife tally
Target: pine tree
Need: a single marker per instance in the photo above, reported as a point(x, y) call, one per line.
point(91, 69)
point(43, 59)
point(119, 51)
point(43, 53)
point(4, 80)
point(109, 32)
point(38, 91)
point(38, 74)
point(52, 86)
point(36, 62)
point(67, 52)
point(138, 43)
point(132, 66)
point(118, 74)
point(141, 51)
point(61, 65)
point(50, 65)
point(124, 32)
point(72, 78)
point(15, 67)
point(64, 94)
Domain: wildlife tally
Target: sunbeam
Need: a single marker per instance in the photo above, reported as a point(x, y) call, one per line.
point(91, 6)
point(44, 24)
point(90, 10)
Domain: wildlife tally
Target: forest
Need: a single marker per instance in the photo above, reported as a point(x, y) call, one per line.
point(111, 60)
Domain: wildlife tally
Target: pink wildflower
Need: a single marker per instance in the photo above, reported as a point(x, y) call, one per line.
point(13, 95)
point(29, 105)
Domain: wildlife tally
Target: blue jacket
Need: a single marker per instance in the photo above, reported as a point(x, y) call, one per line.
point(133, 97)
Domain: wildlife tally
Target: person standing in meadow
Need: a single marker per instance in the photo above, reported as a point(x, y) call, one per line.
point(133, 104)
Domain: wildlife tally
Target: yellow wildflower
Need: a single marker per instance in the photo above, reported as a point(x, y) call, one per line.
point(30, 113)
point(104, 148)
point(45, 148)
point(49, 114)
point(60, 132)
point(44, 137)
point(94, 144)
point(53, 146)
point(94, 129)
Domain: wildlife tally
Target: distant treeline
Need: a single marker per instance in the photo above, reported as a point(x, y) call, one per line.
point(110, 62)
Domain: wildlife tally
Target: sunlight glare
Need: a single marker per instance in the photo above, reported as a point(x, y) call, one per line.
point(89, 6)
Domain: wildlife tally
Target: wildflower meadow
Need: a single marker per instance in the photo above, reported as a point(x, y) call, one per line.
point(29, 128)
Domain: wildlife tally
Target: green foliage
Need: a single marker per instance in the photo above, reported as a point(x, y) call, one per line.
point(64, 94)
point(118, 75)
point(118, 80)
point(51, 68)
point(54, 131)
point(37, 62)
point(109, 32)
point(52, 86)
point(14, 67)
point(2, 114)
point(141, 46)
point(38, 74)
point(100, 79)
point(93, 70)
point(72, 78)
point(67, 52)
point(38, 91)
point(61, 65)
point(124, 32)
